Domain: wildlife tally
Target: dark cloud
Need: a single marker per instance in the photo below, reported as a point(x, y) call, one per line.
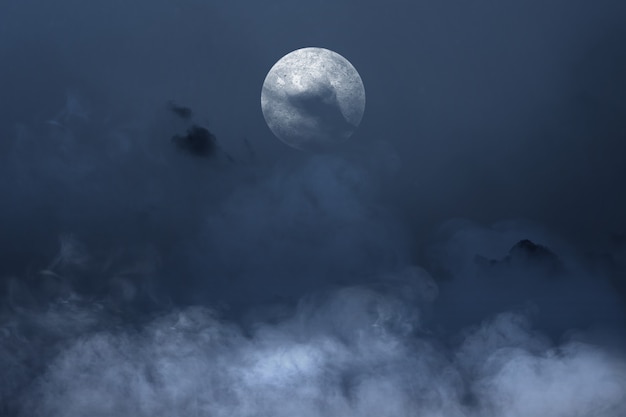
point(197, 141)
point(183, 112)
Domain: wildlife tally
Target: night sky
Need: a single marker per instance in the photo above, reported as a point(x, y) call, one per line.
point(163, 254)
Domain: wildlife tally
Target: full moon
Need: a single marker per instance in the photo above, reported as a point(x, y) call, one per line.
point(312, 99)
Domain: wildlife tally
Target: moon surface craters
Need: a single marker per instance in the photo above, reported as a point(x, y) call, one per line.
point(313, 98)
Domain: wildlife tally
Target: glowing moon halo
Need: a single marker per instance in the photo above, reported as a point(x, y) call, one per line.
point(313, 98)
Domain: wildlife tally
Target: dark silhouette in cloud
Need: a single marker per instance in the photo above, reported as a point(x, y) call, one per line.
point(462, 255)
point(197, 141)
point(529, 254)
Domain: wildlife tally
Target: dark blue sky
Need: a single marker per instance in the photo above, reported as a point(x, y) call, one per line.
point(494, 110)
point(465, 249)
